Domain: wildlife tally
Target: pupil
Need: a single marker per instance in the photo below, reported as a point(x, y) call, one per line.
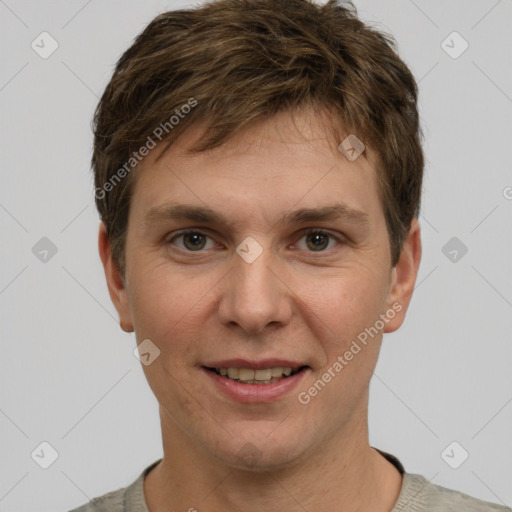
point(196, 237)
point(318, 238)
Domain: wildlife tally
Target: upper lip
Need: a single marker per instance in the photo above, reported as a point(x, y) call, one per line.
point(254, 365)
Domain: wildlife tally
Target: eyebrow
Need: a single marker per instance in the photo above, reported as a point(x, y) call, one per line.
point(203, 214)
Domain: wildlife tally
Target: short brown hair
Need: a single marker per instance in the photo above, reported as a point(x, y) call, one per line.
point(238, 61)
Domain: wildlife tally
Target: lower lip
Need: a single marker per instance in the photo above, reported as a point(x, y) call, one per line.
point(254, 393)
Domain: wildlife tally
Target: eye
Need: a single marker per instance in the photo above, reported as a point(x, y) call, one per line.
point(318, 240)
point(193, 241)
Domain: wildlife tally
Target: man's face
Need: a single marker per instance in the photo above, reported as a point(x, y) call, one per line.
point(255, 290)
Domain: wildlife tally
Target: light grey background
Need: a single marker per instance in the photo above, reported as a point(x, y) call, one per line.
point(69, 376)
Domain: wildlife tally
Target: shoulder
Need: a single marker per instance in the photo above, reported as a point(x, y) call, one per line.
point(419, 494)
point(126, 499)
point(110, 502)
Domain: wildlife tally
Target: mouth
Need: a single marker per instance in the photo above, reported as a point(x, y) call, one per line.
point(259, 376)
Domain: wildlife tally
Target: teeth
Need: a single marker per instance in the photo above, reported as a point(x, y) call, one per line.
point(263, 374)
point(276, 372)
point(246, 374)
point(233, 373)
point(250, 376)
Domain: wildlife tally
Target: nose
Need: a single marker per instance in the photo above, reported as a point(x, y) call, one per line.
point(255, 295)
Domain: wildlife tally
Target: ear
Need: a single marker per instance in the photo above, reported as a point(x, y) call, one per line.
point(403, 278)
point(115, 281)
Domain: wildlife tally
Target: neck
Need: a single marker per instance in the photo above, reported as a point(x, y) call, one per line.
point(343, 474)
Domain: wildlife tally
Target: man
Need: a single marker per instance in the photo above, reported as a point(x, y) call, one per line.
point(258, 172)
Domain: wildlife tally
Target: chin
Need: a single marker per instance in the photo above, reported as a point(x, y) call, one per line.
point(259, 451)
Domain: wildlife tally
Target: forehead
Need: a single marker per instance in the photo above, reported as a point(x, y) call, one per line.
point(289, 159)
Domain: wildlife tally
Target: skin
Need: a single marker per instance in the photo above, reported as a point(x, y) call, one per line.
point(295, 301)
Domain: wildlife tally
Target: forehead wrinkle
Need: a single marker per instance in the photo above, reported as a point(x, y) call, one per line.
point(204, 214)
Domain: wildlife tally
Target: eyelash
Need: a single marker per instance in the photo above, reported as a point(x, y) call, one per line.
point(338, 239)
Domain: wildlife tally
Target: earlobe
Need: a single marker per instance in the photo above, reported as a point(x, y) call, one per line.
point(403, 277)
point(115, 282)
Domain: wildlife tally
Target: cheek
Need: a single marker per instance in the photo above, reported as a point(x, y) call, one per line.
point(351, 307)
point(347, 301)
point(165, 304)
point(166, 309)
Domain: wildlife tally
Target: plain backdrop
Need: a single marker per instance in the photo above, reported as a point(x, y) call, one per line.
point(69, 376)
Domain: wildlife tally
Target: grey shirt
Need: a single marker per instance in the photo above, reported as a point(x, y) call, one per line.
point(417, 494)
